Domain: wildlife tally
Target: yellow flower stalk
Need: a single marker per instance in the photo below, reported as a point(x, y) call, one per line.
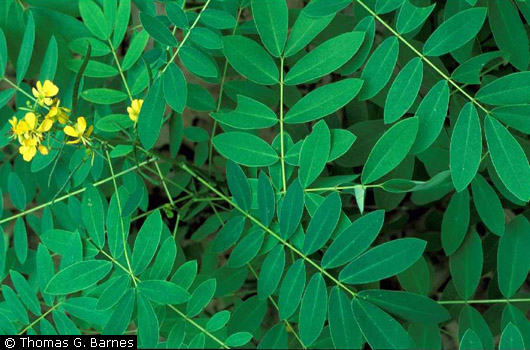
point(44, 92)
point(134, 109)
point(79, 131)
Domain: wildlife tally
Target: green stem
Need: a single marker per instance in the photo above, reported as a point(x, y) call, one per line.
point(484, 301)
point(265, 228)
point(120, 70)
point(39, 319)
point(419, 54)
point(282, 146)
point(186, 36)
point(126, 254)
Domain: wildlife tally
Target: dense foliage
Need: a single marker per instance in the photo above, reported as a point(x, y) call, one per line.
point(267, 173)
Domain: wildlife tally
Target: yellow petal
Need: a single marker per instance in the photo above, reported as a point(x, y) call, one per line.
point(68, 130)
point(45, 125)
point(43, 150)
point(73, 142)
point(50, 88)
point(39, 86)
point(89, 131)
point(35, 93)
point(31, 119)
point(81, 125)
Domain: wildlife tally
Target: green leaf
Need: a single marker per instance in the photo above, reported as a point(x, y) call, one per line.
point(271, 21)
point(344, 330)
point(390, 150)
point(113, 293)
point(511, 89)
point(49, 63)
point(455, 222)
point(121, 316)
point(94, 216)
point(3, 53)
point(379, 68)
point(354, 240)
point(466, 265)
point(322, 224)
point(403, 90)
point(177, 15)
point(16, 190)
point(175, 88)
point(325, 58)
point(45, 270)
point(163, 292)
point(513, 261)
point(271, 272)
point(341, 142)
point(249, 59)
point(304, 30)
point(246, 249)
point(25, 292)
point(146, 242)
point(266, 199)
point(509, 159)
point(157, 30)
point(198, 62)
point(249, 114)
point(514, 315)
point(185, 274)
point(17, 310)
point(147, 323)
point(238, 339)
point(455, 32)
point(431, 115)
point(218, 321)
point(291, 289)
point(218, 19)
point(26, 49)
point(229, 234)
point(114, 122)
point(245, 149)
point(511, 338)
point(206, 38)
point(314, 153)
point(472, 319)
point(466, 147)
point(163, 264)
point(94, 19)
point(20, 240)
point(274, 338)
point(201, 297)
point(408, 306)
point(319, 8)
point(313, 310)
point(135, 50)
point(469, 72)
point(103, 96)
point(488, 205)
point(385, 260)
point(366, 25)
point(470, 341)
point(509, 32)
point(379, 328)
point(514, 116)
point(416, 279)
point(238, 185)
point(411, 17)
point(151, 116)
point(122, 20)
point(323, 101)
point(78, 276)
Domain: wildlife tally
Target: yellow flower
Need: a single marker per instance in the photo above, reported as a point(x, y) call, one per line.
point(29, 146)
point(44, 92)
point(18, 127)
point(79, 131)
point(134, 109)
point(58, 113)
point(29, 134)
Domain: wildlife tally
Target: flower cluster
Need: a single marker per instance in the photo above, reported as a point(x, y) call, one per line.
point(31, 134)
point(134, 109)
